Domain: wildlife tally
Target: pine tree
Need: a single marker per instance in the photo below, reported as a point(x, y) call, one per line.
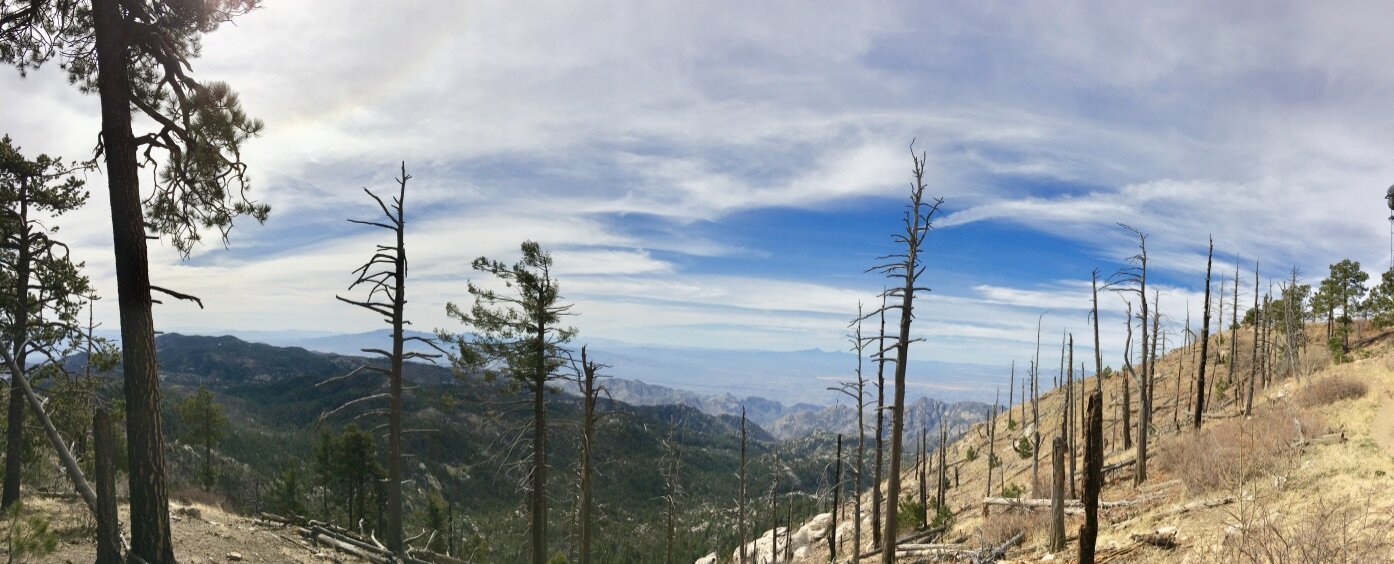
point(520, 335)
point(203, 423)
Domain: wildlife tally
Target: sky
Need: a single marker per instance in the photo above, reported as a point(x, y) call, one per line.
point(722, 174)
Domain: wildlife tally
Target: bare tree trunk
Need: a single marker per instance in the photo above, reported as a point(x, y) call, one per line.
point(880, 429)
point(14, 431)
point(992, 442)
point(923, 465)
point(1234, 335)
point(108, 529)
point(1098, 352)
point(1204, 339)
point(1127, 407)
point(150, 533)
point(837, 490)
point(1070, 412)
point(1253, 368)
point(745, 558)
point(1057, 495)
point(1093, 476)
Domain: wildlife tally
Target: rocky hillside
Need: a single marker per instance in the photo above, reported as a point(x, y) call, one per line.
point(1300, 479)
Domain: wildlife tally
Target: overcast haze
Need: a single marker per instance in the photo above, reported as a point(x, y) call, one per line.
point(720, 174)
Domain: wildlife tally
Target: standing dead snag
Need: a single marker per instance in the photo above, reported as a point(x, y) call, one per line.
point(837, 502)
point(1057, 494)
point(521, 336)
point(1093, 475)
point(1253, 365)
point(671, 468)
point(880, 426)
point(907, 268)
point(856, 389)
point(1098, 352)
point(1133, 279)
point(588, 380)
point(385, 277)
point(992, 442)
point(741, 514)
point(1204, 339)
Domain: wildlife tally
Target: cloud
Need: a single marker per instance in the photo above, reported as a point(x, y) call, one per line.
point(639, 141)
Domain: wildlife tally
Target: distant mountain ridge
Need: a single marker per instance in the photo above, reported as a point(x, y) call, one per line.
point(795, 377)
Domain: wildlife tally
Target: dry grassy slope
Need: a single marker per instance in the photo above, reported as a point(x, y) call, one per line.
point(1309, 484)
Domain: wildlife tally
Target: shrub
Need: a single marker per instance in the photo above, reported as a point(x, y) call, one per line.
point(1331, 390)
point(1023, 447)
point(1342, 529)
point(1012, 491)
point(27, 536)
point(971, 455)
point(1001, 527)
point(1235, 451)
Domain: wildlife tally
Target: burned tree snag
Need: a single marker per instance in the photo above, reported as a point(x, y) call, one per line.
point(385, 277)
point(1057, 494)
point(1204, 339)
point(1093, 476)
point(906, 268)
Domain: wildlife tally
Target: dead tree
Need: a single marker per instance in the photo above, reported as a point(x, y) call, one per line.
point(856, 389)
point(1234, 333)
point(1011, 386)
point(922, 465)
point(672, 473)
point(992, 441)
point(1057, 494)
point(1093, 476)
point(1205, 341)
point(1128, 374)
point(1070, 412)
point(385, 278)
point(1098, 352)
point(108, 529)
point(1133, 279)
point(1036, 412)
point(905, 267)
point(880, 426)
point(741, 508)
point(588, 382)
point(837, 502)
point(1253, 367)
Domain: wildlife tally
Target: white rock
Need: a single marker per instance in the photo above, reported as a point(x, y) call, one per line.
point(708, 559)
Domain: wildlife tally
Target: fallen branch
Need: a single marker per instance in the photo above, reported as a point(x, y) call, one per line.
point(910, 539)
point(1201, 504)
point(1001, 551)
point(1119, 465)
point(1162, 539)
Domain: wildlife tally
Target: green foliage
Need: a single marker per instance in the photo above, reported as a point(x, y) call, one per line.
point(287, 497)
point(1221, 386)
point(1337, 345)
point(943, 517)
point(910, 514)
point(1023, 447)
point(28, 536)
point(1380, 304)
point(971, 455)
point(993, 460)
point(437, 519)
point(356, 471)
point(201, 422)
point(202, 182)
point(557, 558)
point(1012, 491)
point(521, 335)
point(1011, 423)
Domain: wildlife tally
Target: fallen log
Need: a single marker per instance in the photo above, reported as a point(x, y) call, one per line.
point(1200, 504)
point(912, 538)
point(1119, 465)
point(1001, 551)
point(1327, 439)
point(1161, 539)
point(1033, 503)
point(344, 547)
